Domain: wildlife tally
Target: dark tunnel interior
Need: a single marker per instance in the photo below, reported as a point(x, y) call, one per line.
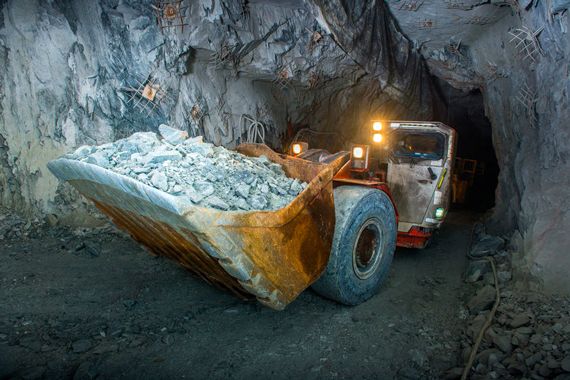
point(476, 159)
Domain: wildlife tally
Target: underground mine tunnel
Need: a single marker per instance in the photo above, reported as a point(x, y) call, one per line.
point(326, 188)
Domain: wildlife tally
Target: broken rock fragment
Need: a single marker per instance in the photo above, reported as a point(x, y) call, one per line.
point(483, 300)
point(171, 135)
point(162, 156)
point(488, 245)
point(159, 181)
point(99, 159)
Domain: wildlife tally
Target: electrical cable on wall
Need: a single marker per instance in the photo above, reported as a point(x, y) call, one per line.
point(255, 131)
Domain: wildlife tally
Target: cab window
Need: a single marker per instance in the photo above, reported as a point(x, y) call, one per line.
point(428, 146)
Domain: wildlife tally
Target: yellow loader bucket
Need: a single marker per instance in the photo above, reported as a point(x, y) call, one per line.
point(270, 255)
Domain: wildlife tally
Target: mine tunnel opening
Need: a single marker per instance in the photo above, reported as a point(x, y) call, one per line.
point(476, 173)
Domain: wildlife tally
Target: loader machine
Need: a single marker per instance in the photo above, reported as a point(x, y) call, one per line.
point(338, 235)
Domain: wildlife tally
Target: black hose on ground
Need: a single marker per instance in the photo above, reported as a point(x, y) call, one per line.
point(491, 315)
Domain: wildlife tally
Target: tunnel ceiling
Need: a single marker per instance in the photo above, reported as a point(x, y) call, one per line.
point(433, 24)
point(444, 31)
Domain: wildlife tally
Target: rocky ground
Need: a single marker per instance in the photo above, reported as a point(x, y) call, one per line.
point(530, 333)
point(93, 304)
point(87, 304)
point(530, 338)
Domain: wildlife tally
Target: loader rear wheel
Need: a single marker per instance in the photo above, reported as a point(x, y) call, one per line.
point(363, 245)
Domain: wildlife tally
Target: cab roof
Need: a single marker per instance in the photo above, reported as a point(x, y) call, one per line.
point(395, 124)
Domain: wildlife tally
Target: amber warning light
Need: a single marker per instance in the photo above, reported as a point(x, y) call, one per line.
point(298, 148)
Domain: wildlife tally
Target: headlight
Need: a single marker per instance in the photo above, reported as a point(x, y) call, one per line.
point(357, 152)
point(439, 213)
point(359, 157)
point(377, 126)
point(377, 137)
point(298, 148)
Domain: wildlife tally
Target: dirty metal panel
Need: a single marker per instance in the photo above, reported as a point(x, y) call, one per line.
point(415, 193)
point(180, 246)
point(412, 189)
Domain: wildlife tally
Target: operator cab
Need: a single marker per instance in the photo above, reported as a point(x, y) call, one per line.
point(419, 160)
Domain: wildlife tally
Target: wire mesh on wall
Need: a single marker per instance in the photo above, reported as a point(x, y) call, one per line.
point(283, 77)
point(411, 5)
point(426, 24)
point(526, 42)
point(527, 98)
point(171, 14)
point(147, 95)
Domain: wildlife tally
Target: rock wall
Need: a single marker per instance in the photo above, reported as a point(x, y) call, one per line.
point(473, 44)
point(70, 71)
point(530, 131)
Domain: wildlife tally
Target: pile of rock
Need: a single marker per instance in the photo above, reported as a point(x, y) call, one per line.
point(479, 269)
point(530, 333)
point(13, 226)
point(530, 338)
point(206, 175)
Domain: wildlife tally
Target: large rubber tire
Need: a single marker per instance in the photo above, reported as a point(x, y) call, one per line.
point(353, 275)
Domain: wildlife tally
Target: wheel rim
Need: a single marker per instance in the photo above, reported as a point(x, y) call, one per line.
point(367, 252)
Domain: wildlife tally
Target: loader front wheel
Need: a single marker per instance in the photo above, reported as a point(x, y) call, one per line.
point(363, 245)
